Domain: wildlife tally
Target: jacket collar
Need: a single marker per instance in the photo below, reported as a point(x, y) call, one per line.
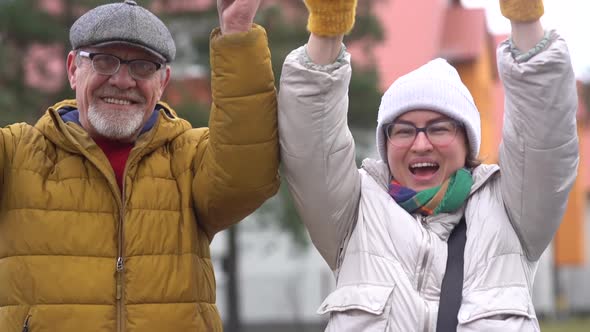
point(71, 114)
point(379, 171)
point(64, 129)
point(441, 224)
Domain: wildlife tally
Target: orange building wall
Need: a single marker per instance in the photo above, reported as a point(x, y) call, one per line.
point(477, 75)
point(570, 239)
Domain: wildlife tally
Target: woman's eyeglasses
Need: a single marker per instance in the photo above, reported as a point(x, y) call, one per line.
point(439, 133)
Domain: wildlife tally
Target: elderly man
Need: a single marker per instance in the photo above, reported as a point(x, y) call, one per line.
point(108, 204)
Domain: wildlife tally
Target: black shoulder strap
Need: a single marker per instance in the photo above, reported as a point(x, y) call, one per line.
point(451, 292)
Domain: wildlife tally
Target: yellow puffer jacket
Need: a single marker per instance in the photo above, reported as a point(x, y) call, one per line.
point(77, 255)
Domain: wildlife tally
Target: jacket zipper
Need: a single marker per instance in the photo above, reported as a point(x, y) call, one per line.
point(424, 262)
point(120, 265)
point(120, 261)
point(26, 324)
point(422, 270)
point(426, 316)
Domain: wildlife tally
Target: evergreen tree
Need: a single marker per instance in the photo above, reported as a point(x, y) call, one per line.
point(24, 24)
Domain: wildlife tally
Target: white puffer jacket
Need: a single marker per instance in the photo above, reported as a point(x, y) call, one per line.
point(389, 264)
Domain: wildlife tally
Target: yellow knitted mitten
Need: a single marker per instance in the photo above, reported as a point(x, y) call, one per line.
point(522, 10)
point(330, 17)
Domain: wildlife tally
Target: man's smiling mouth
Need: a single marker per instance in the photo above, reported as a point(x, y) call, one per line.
point(117, 101)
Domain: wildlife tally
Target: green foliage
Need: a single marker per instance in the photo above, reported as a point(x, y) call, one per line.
point(364, 98)
point(23, 24)
point(366, 26)
point(196, 114)
point(284, 34)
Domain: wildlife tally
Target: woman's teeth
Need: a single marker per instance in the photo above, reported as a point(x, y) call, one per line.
point(424, 169)
point(423, 165)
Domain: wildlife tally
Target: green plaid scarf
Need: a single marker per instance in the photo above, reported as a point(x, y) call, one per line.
point(447, 197)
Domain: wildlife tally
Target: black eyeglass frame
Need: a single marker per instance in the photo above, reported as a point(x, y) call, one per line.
point(92, 55)
point(458, 125)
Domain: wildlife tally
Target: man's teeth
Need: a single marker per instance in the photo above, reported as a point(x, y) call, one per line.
point(117, 101)
point(423, 165)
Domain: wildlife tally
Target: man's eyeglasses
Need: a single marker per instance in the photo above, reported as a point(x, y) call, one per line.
point(107, 64)
point(439, 133)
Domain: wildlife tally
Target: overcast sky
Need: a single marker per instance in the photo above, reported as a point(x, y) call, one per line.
point(570, 17)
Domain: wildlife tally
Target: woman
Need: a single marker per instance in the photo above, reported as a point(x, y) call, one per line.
point(383, 229)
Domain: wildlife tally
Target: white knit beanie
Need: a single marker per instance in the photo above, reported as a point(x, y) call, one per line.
point(436, 86)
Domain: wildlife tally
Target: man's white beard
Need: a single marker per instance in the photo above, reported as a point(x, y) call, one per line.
point(115, 125)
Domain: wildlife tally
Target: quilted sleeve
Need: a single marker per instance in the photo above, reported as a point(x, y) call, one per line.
point(238, 167)
point(539, 151)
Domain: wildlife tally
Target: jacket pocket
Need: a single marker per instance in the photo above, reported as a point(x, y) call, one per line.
point(362, 307)
point(498, 309)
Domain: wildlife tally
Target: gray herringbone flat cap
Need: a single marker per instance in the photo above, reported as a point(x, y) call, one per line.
point(123, 22)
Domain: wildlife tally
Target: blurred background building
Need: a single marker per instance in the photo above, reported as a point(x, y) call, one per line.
point(269, 277)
